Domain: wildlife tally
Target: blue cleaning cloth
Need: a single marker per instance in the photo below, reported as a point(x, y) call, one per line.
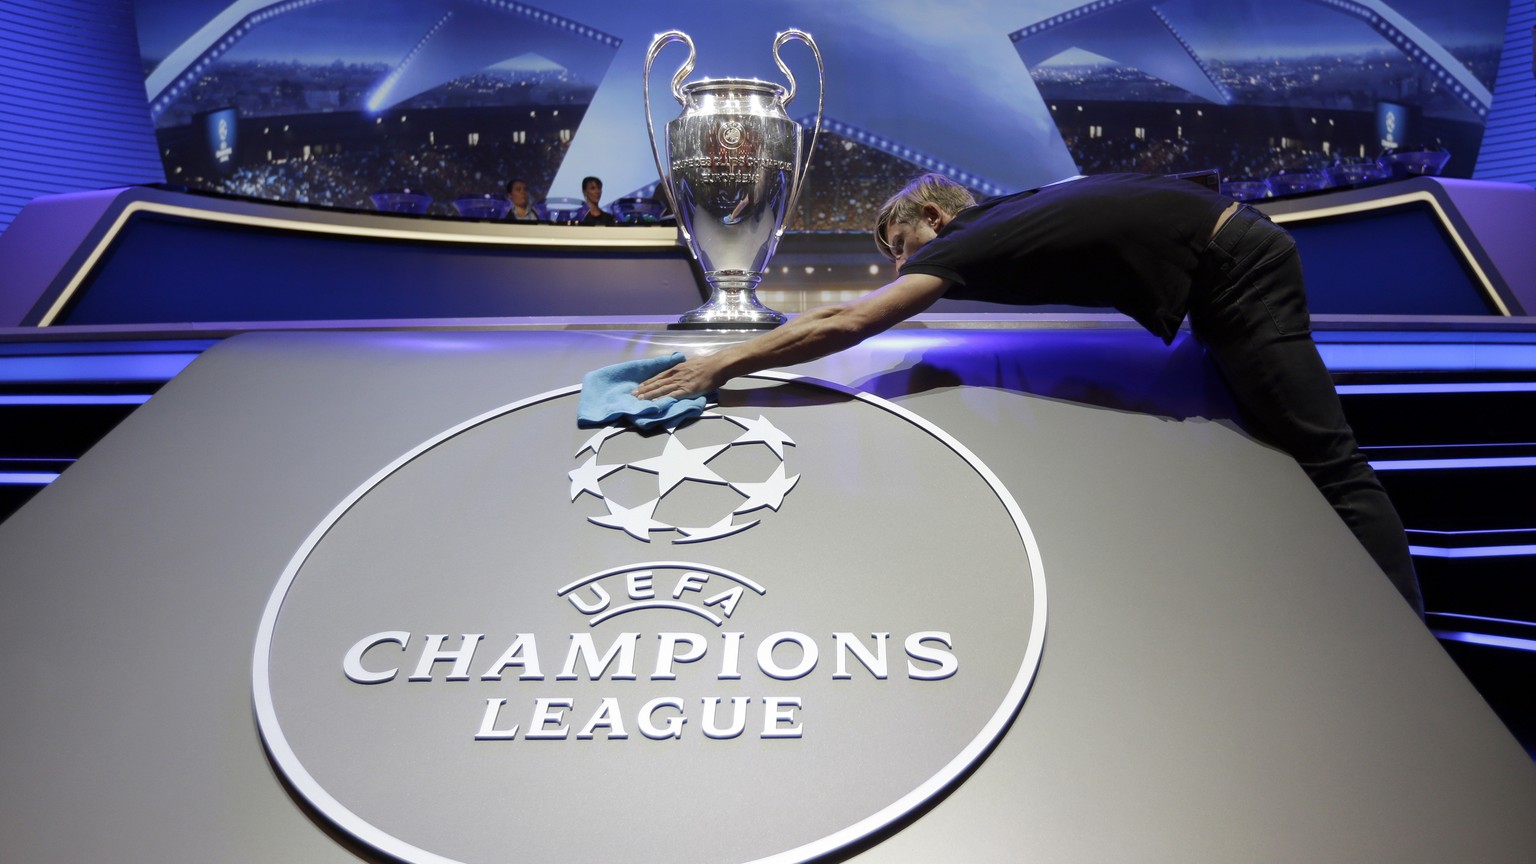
point(606, 400)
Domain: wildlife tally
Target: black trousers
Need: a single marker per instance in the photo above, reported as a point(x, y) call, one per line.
point(1249, 308)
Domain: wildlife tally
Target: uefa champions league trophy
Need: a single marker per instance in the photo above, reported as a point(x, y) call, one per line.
point(735, 168)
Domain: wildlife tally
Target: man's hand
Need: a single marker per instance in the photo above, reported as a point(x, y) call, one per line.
point(808, 336)
point(694, 377)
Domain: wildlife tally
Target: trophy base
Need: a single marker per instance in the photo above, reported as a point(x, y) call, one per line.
point(724, 325)
point(732, 305)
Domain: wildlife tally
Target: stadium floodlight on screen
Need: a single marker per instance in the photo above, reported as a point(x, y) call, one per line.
point(336, 100)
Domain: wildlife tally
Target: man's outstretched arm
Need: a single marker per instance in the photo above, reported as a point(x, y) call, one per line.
point(809, 336)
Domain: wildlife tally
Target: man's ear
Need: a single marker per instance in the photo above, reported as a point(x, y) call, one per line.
point(933, 217)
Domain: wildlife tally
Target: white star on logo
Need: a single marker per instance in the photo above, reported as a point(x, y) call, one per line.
point(723, 528)
point(761, 430)
point(679, 462)
point(585, 478)
point(769, 493)
point(634, 521)
point(595, 443)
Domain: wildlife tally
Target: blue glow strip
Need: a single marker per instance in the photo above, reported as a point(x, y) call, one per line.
point(1423, 337)
point(1502, 445)
point(1485, 639)
point(1441, 358)
point(1480, 387)
point(27, 478)
point(73, 399)
point(1439, 464)
point(35, 459)
point(1471, 551)
point(1466, 531)
point(1472, 531)
point(146, 346)
point(131, 367)
point(1483, 618)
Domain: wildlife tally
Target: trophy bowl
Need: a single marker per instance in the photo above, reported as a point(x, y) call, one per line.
point(1294, 181)
point(404, 201)
point(1245, 189)
point(1413, 160)
point(482, 206)
point(638, 211)
point(1357, 171)
point(563, 209)
point(734, 170)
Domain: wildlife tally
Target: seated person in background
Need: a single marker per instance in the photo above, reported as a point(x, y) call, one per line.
point(594, 214)
point(523, 210)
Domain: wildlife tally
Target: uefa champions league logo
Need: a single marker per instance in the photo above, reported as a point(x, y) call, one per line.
point(224, 145)
point(490, 611)
point(702, 481)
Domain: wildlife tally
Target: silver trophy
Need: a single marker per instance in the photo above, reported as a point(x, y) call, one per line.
point(735, 168)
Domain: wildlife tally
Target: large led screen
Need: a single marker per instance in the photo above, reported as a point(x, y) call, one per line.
point(327, 102)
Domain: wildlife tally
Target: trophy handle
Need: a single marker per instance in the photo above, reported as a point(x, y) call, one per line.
point(661, 41)
point(821, 75)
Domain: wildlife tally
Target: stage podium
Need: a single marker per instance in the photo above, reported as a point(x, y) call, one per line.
point(981, 595)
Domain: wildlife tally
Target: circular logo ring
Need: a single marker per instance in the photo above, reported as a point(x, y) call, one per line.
point(730, 134)
point(940, 782)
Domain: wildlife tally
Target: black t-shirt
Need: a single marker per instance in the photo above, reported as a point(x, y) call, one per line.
point(1127, 241)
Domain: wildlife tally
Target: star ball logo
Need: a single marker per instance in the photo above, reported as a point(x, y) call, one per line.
point(220, 132)
point(681, 465)
point(521, 638)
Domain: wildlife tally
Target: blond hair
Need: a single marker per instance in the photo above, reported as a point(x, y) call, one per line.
point(906, 206)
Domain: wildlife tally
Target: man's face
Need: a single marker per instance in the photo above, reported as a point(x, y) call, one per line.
point(905, 238)
point(592, 191)
point(519, 194)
